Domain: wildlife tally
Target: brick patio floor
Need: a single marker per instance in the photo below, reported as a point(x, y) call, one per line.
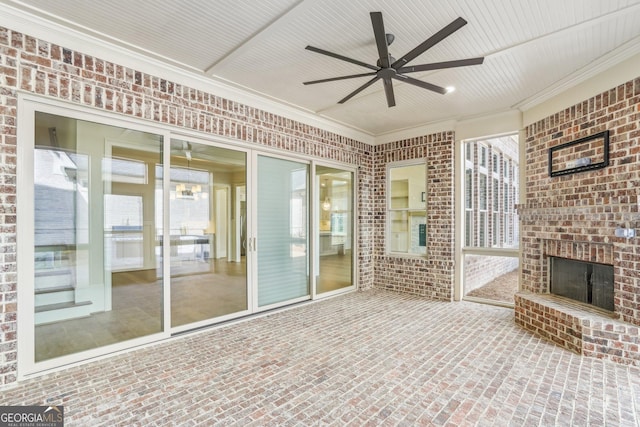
point(365, 358)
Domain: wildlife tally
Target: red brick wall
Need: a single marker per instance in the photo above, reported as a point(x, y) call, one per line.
point(430, 276)
point(560, 326)
point(37, 66)
point(576, 215)
point(578, 328)
point(482, 269)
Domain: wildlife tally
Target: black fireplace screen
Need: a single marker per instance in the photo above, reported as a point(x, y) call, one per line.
point(586, 282)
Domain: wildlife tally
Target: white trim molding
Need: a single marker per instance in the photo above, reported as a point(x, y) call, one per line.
point(64, 34)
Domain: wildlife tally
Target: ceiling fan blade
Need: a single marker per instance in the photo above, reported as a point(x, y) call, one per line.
point(381, 39)
point(441, 65)
point(357, 91)
point(430, 42)
point(333, 79)
point(343, 58)
point(420, 83)
point(388, 90)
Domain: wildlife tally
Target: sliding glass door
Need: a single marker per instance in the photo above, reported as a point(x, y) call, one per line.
point(208, 268)
point(131, 234)
point(282, 241)
point(96, 262)
point(334, 248)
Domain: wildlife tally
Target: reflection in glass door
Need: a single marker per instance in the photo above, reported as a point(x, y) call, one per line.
point(282, 234)
point(335, 235)
point(207, 279)
point(96, 271)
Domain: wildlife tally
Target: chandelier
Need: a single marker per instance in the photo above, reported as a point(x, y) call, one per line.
point(188, 191)
point(184, 192)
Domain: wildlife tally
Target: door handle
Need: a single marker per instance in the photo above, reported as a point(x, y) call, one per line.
point(253, 244)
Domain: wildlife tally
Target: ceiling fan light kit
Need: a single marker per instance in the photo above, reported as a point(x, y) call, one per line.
point(388, 68)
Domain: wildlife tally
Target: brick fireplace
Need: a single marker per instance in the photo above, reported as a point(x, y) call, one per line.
point(575, 216)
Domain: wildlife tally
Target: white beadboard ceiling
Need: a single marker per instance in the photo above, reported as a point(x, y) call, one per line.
point(259, 46)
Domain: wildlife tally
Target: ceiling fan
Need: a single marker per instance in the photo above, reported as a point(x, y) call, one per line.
point(388, 68)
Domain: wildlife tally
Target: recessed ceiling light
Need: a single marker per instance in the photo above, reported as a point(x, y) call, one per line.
point(450, 89)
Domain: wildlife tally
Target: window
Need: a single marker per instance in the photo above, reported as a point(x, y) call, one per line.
point(468, 194)
point(490, 192)
point(482, 155)
point(468, 206)
point(496, 195)
point(482, 214)
point(407, 219)
point(496, 220)
point(512, 239)
point(505, 216)
point(495, 232)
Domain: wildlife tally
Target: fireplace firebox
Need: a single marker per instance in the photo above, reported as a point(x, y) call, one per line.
point(586, 282)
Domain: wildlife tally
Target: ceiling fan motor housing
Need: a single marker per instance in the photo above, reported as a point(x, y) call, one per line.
point(391, 61)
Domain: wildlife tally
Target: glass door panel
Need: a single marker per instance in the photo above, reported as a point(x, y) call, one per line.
point(208, 273)
point(335, 233)
point(282, 233)
point(97, 274)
